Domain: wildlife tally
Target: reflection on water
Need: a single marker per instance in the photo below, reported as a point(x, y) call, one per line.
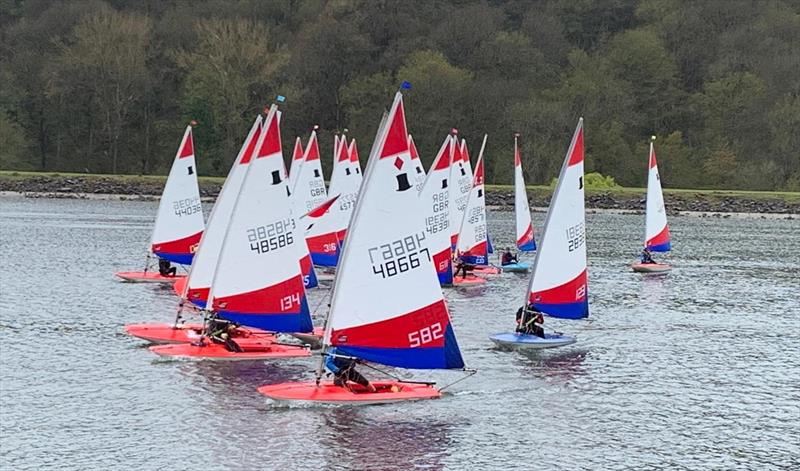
point(694, 370)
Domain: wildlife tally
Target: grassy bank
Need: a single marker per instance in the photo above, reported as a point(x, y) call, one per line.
point(541, 191)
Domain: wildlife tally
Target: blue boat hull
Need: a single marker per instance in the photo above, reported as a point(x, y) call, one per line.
point(521, 341)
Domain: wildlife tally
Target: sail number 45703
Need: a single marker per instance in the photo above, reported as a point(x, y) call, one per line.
point(425, 335)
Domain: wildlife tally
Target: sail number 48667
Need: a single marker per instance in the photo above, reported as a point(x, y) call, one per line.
point(425, 335)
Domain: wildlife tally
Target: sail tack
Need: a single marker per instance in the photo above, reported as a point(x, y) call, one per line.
point(558, 285)
point(179, 221)
point(374, 315)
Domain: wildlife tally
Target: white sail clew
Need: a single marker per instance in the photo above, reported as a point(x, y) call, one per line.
point(205, 262)
point(558, 285)
point(179, 221)
point(435, 196)
point(522, 212)
point(657, 237)
point(472, 244)
point(387, 305)
point(258, 281)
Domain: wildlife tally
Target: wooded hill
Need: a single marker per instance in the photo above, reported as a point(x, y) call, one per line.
point(107, 86)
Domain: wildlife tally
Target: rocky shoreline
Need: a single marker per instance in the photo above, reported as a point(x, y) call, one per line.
point(47, 186)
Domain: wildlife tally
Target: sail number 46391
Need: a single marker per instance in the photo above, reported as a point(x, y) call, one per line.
point(425, 335)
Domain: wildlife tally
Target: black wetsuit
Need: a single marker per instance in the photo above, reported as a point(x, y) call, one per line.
point(216, 329)
point(165, 268)
point(527, 325)
point(344, 370)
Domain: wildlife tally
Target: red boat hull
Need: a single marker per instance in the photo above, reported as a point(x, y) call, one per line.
point(468, 280)
point(255, 348)
point(186, 333)
point(487, 270)
point(328, 393)
point(650, 267)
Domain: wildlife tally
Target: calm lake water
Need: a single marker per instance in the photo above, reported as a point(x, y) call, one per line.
point(699, 369)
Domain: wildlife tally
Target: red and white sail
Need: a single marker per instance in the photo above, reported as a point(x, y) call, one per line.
point(522, 212)
point(435, 197)
point(460, 187)
point(354, 160)
point(657, 237)
point(472, 244)
point(258, 281)
point(419, 170)
point(387, 305)
point(344, 185)
point(297, 160)
point(205, 262)
point(309, 193)
point(558, 283)
point(179, 221)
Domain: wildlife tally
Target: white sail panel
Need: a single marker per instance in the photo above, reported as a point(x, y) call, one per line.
point(657, 237)
point(258, 281)
point(179, 221)
point(522, 212)
point(373, 314)
point(558, 284)
point(205, 262)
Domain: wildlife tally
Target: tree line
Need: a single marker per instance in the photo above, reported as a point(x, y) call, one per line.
point(107, 86)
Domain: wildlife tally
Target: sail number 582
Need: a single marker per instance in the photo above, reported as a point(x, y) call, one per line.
point(425, 335)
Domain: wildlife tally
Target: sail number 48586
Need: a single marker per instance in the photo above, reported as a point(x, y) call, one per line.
point(425, 335)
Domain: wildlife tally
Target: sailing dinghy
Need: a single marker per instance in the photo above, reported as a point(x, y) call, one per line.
point(435, 197)
point(522, 215)
point(656, 238)
point(179, 221)
point(257, 281)
point(472, 245)
point(558, 283)
point(309, 193)
point(387, 306)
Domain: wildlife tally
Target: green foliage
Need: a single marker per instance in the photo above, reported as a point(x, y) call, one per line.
point(594, 181)
point(107, 86)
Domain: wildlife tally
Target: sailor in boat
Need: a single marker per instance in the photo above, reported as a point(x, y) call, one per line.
point(530, 321)
point(462, 266)
point(222, 331)
point(646, 256)
point(344, 371)
point(165, 268)
point(507, 258)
